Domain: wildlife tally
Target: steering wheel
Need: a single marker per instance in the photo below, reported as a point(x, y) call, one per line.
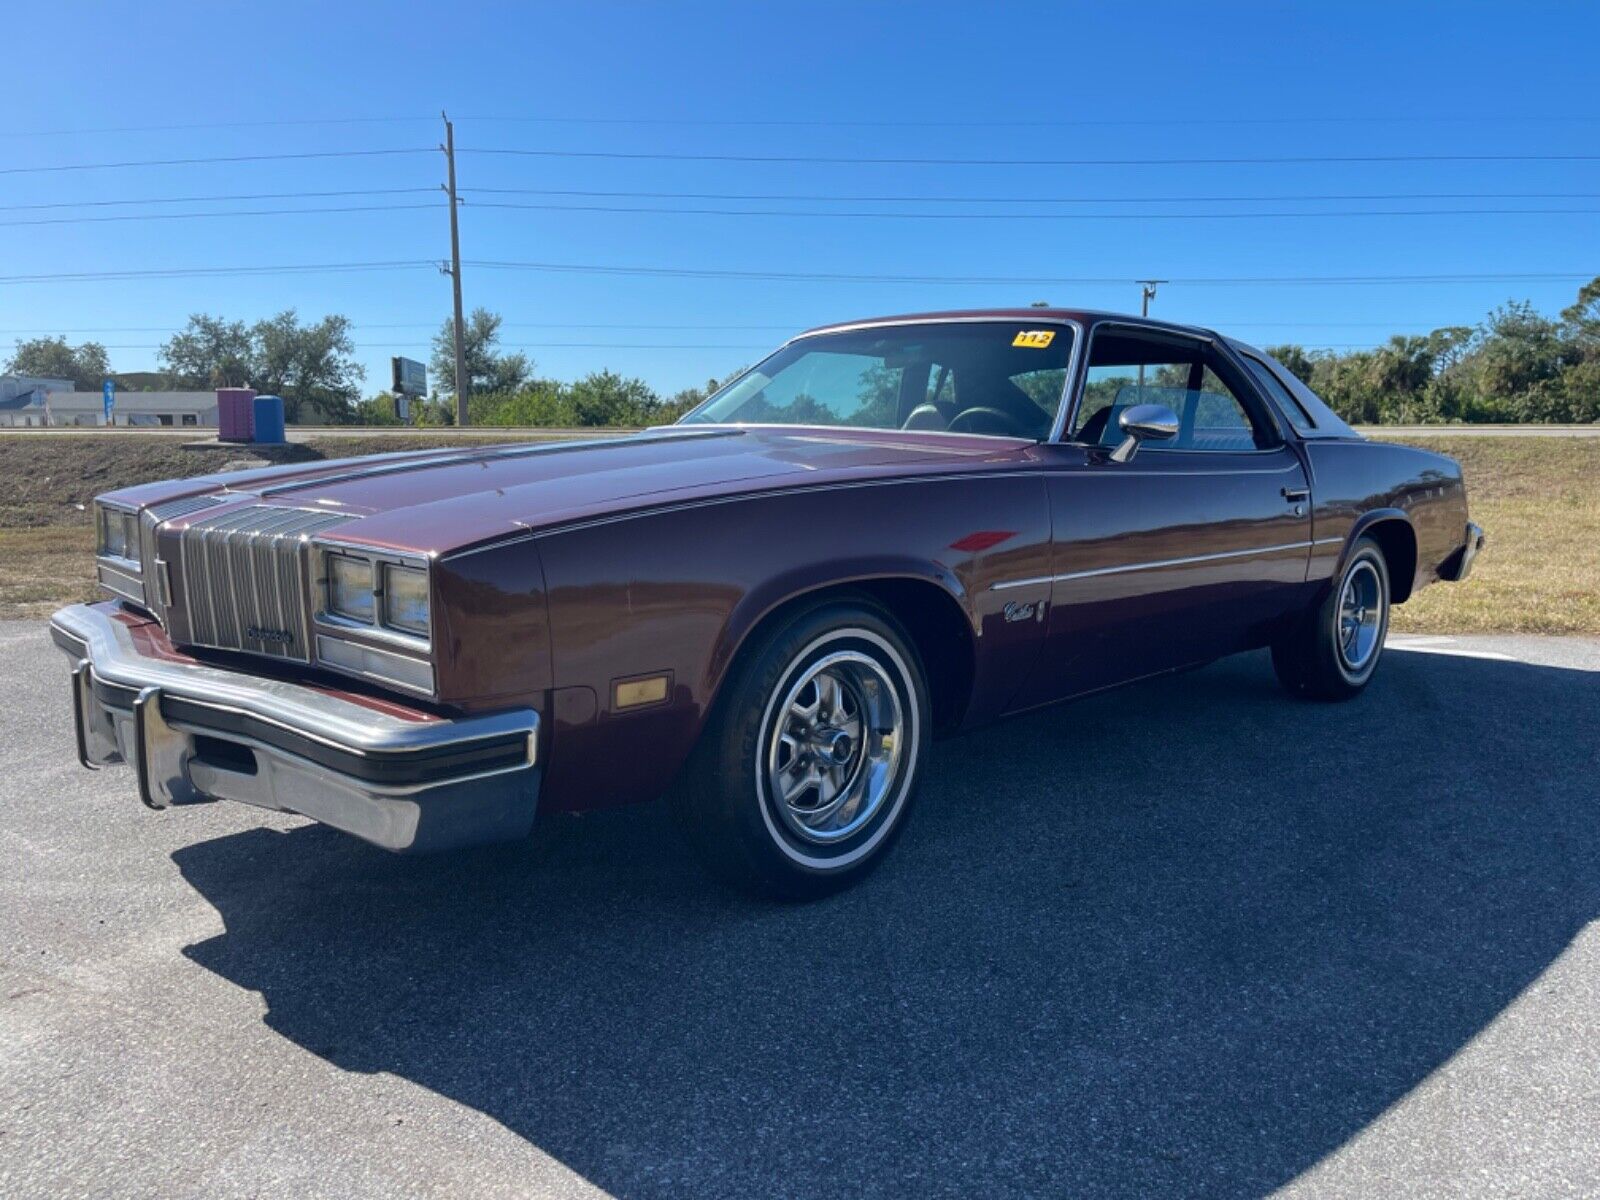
point(1009, 424)
point(924, 416)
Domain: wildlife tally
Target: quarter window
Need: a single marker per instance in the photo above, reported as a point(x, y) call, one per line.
point(1287, 404)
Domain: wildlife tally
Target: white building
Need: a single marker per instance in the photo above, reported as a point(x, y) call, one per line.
point(133, 408)
point(22, 398)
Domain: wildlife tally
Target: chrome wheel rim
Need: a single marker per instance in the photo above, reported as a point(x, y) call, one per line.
point(1360, 616)
point(833, 746)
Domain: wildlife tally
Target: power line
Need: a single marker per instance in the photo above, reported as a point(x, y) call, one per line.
point(228, 158)
point(242, 212)
point(235, 196)
point(837, 160)
point(436, 324)
point(1025, 280)
point(824, 123)
point(212, 125)
point(924, 199)
point(1016, 216)
point(1013, 123)
point(804, 276)
point(514, 346)
point(399, 264)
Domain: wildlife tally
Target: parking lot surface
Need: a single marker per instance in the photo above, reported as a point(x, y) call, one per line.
point(1189, 938)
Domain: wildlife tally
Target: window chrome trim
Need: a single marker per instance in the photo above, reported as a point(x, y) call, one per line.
point(1153, 565)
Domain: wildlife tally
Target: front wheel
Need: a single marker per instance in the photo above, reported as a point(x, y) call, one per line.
point(1333, 653)
point(805, 772)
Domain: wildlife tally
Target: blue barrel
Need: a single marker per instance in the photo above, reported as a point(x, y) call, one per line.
point(269, 419)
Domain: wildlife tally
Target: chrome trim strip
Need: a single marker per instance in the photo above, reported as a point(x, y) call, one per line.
point(1155, 565)
point(1070, 392)
point(313, 714)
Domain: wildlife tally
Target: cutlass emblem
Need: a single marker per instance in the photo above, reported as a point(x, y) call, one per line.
point(1018, 611)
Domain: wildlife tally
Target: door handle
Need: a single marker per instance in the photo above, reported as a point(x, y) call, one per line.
point(1296, 495)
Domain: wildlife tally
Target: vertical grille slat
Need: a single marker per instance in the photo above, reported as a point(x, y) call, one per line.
point(245, 570)
point(150, 520)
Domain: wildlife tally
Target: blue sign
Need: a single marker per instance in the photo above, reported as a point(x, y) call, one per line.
point(109, 391)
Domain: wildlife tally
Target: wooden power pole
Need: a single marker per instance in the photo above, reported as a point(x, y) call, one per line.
point(449, 149)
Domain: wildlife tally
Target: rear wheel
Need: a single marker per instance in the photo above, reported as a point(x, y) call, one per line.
point(804, 774)
point(1333, 653)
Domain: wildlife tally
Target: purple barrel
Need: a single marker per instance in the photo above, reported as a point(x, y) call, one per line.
point(236, 414)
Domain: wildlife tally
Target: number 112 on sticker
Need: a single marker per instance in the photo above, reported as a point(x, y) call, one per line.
point(1034, 339)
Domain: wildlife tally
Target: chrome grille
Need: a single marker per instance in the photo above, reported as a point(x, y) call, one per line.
point(244, 579)
point(156, 597)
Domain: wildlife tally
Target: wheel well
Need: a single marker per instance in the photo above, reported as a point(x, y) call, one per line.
point(932, 620)
point(1398, 541)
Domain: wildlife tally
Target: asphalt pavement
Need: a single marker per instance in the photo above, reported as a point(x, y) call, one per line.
point(1189, 938)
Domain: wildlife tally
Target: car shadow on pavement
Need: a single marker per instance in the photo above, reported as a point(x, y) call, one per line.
point(1187, 938)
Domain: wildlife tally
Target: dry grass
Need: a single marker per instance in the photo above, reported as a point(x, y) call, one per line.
point(1539, 498)
point(47, 485)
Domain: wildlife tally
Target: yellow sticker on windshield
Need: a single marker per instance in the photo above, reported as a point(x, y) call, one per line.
point(1034, 339)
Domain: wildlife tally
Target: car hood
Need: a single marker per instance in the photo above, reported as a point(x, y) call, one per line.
point(435, 502)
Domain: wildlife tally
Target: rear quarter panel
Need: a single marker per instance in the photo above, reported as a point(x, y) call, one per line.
point(1356, 482)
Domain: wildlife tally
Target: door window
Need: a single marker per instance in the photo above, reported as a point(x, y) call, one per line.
point(1126, 369)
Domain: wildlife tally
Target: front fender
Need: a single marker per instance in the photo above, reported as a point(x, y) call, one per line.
point(787, 587)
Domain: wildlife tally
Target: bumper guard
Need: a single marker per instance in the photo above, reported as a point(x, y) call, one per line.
point(195, 732)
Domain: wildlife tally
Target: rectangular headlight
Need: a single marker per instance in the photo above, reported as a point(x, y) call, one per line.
point(405, 598)
point(119, 534)
point(350, 587)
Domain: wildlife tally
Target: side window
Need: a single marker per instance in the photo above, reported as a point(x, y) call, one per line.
point(1285, 400)
point(1127, 369)
point(1220, 421)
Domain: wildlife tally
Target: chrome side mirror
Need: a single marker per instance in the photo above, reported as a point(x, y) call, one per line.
point(1141, 421)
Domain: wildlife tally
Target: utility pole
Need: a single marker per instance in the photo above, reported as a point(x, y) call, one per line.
point(449, 149)
point(1147, 293)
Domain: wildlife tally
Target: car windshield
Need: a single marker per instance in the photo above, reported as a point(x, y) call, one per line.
point(1001, 378)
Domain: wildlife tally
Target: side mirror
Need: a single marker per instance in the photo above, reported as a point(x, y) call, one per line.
point(1141, 421)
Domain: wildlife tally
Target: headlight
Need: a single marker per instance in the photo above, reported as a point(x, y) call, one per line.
point(350, 587)
point(119, 534)
point(405, 598)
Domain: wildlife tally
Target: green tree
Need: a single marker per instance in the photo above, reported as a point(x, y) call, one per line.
point(606, 398)
point(311, 366)
point(52, 358)
point(488, 370)
point(210, 352)
point(1296, 360)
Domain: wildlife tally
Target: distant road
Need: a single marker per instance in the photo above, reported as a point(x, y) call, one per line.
point(304, 433)
point(1578, 431)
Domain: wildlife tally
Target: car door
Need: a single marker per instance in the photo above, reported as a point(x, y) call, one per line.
point(1191, 550)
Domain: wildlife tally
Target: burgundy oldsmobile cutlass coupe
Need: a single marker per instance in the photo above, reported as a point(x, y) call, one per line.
point(886, 531)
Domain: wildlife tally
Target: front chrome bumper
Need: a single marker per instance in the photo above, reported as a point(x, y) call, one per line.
point(401, 778)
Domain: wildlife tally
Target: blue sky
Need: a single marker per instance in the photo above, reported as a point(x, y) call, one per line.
point(856, 81)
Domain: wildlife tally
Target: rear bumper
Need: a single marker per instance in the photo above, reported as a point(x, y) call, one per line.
point(1459, 565)
point(400, 778)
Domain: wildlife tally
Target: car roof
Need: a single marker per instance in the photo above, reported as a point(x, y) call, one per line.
point(1083, 316)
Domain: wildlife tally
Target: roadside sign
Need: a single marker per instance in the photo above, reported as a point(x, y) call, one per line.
point(410, 377)
point(109, 392)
